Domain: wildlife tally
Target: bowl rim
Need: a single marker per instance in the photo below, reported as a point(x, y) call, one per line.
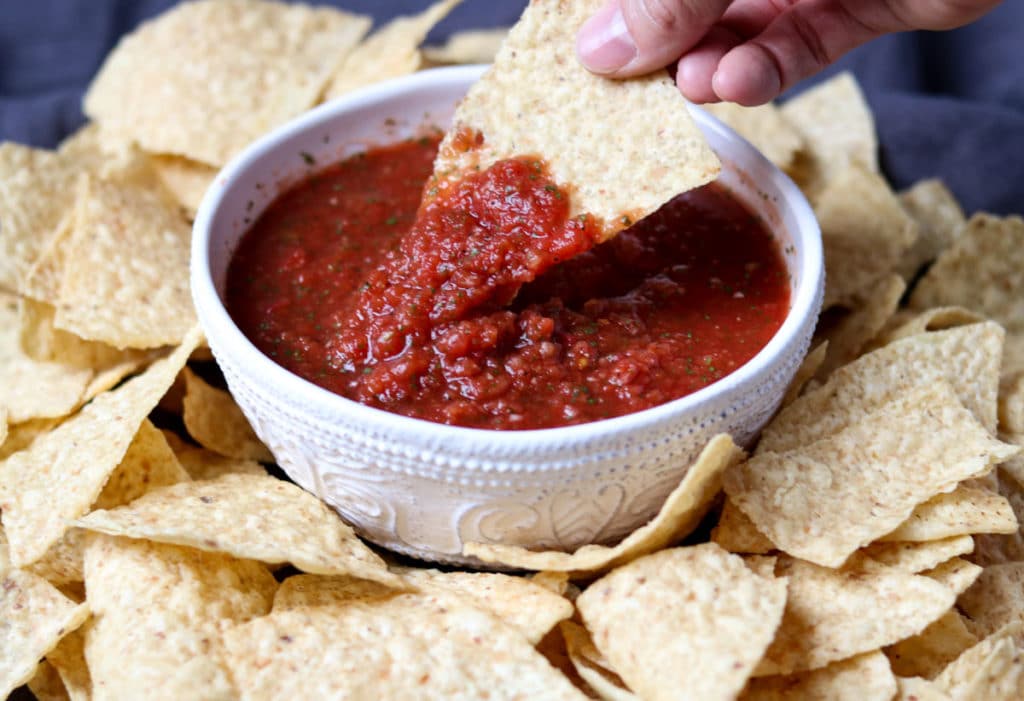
point(216, 321)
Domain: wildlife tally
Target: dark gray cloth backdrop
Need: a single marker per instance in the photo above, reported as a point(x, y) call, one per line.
point(947, 104)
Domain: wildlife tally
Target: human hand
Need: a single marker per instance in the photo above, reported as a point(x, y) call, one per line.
point(749, 51)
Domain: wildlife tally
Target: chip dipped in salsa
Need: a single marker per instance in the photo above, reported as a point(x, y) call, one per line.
point(488, 305)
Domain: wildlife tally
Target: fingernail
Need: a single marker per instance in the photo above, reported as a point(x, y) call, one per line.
point(604, 44)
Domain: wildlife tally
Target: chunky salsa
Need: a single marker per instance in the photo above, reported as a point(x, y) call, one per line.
point(489, 305)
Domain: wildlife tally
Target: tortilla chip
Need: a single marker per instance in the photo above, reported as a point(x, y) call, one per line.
point(68, 658)
point(158, 613)
point(966, 509)
point(679, 515)
point(203, 464)
point(390, 52)
point(469, 46)
point(910, 323)
point(698, 604)
point(1008, 547)
point(46, 685)
point(30, 389)
point(251, 517)
point(992, 670)
point(737, 533)
point(764, 127)
point(148, 464)
point(125, 279)
point(169, 84)
point(966, 357)
point(557, 582)
point(21, 436)
point(590, 664)
point(860, 250)
point(835, 614)
point(1011, 404)
point(918, 557)
point(36, 191)
point(861, 483)
point(808, 369)
point(927, 653)
point(939, 219)
point(837, 127)
point(918, 689)
point(956, 573)
point(35, 617)
point(393, 647)
point(866, 677)
point(644, 150)
point(529, 608)
point(185, 179)
point(63, 472)
point(216, 422)
point(996, 599)
point(850, 334)
point(990, 249)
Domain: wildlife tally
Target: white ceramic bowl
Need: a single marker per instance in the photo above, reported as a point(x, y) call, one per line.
point(422, 488)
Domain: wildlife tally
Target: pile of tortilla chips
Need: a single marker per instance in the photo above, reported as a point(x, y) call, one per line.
point(869, 547)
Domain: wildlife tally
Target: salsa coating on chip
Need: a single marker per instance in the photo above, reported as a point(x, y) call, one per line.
point(489, 306)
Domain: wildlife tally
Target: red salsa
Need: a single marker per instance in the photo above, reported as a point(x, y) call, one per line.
point(489, 305)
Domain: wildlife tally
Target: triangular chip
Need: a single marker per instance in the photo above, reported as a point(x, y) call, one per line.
point(392, 647)
point(860, 250)
point(643, 149)
point(58, 478)
point(158, 614)
point(957, 574)
point(125, 278)
point(185, 179)
point(390, 52)
point(469, 46)
point(939, 219)
point(679, 515)
point(966, 357)
point(983, 271)
point(918, 557)
point(698, 604)
point(966, 509)
point(907, 322)
point(992, 670)
point(927, 653)
point(248, 516)
point(216, 422)
point(169, 85)
point(835, 614)
point(34, 616)
point(590, 664)
point(824, 501)
point(529, 608)
point(866, 677)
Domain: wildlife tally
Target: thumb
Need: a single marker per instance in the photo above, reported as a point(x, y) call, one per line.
point(633, 37)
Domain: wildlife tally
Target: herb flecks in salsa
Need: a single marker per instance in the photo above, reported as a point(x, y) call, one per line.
point(494, 309)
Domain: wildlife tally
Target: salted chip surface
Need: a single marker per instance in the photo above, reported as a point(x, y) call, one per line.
point(37, 188)
point(169, 84)
point(699, 604)
point(866, 677)
point(851, 333)
point(469, 46)
point(125, 278)
point(158, 614)
point(390, 52)
point(835, 614)
point(530, 608)
point(29, 388)
point(44, 487)
point(927, 653)
point(632, 146)
point(405, 646)
point(837, 127)
point(248, 516)
point(967, 509)
point(860, 250)
point(680, 514)
point(216, 422)
point(764, 127)
point(983, 271)
point(939, 219)
point(34, 616)
point(824, 501)
point(966, 357)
